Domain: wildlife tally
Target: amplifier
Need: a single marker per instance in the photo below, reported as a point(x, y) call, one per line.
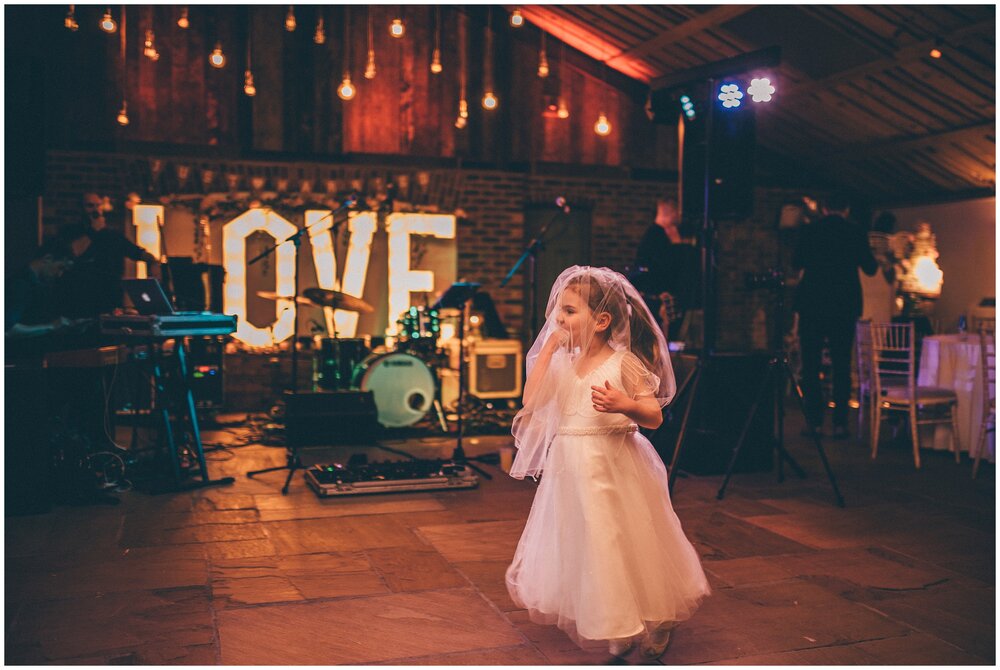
point(496, 368)
point(330, 418)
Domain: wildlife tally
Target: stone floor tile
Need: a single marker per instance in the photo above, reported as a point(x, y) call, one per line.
point(407, 569)
point(771, 618)
point(919, 649)
point(114, 625)
point(730, 537)
point(520, 655)
point(338, 534)
point(363, 630)
point(962, 616)
point(489, 578)
point(745, 571)
point(487, 541)
point(239, 549)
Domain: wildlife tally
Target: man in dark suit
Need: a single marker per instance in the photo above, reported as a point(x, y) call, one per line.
point(828, 301)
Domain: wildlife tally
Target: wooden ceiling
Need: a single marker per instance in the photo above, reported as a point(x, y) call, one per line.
point(860, 101)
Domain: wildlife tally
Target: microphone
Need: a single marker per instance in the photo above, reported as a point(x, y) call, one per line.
point(562, 204)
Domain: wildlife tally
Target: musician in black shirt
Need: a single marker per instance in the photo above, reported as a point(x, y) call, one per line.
point(93, 287)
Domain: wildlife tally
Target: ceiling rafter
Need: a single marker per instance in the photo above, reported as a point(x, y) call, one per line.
point(905, 54)
point(710, 19)
point(858, 150)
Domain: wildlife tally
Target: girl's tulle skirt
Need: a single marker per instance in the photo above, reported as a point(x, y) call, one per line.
point(603, 555)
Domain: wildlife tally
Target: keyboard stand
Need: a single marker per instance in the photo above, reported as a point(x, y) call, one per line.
point(186, 410)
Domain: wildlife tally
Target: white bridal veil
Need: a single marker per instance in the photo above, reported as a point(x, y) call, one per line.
point(586, 303)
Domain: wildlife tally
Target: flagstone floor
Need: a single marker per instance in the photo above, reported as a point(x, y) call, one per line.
point(244, 575)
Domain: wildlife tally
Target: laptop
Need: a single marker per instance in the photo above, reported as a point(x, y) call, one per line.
point(148, 297)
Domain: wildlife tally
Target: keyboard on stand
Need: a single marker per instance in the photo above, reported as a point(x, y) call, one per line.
point(337, 479)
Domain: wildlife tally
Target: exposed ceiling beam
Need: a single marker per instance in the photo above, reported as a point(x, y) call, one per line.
point(900, 57)
point(863, 150)
point(710, 19)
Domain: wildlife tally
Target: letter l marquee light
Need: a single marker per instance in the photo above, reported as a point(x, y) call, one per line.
point(234, 260)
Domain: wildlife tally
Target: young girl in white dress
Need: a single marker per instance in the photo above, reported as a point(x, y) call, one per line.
point(603, 555)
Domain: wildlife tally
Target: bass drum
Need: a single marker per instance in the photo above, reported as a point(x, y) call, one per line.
point(402, 384)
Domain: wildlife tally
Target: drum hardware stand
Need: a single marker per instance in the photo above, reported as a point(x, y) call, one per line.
point(457, 296)
point(293, 461)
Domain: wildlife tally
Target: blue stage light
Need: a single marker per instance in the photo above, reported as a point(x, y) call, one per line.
point(730, 95)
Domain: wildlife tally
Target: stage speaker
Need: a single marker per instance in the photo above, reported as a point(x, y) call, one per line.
point(728, 386)
point(330, 418)
point(731, 149)
point(495, 369)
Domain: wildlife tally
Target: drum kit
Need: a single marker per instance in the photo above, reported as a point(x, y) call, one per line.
point(401, 373)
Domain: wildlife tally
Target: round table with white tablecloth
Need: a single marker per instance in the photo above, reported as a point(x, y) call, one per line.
point(952, 362)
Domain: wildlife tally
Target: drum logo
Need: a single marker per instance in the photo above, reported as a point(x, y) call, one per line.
point(400, 363)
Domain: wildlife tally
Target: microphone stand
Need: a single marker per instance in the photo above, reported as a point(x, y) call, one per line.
point(531, 255)
point(296, 239)
point(293, 462)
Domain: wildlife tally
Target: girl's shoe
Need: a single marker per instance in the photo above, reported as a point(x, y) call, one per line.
point(655, 644)
point(621, 648)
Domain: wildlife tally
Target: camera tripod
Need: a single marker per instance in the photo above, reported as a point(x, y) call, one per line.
point(771, 384)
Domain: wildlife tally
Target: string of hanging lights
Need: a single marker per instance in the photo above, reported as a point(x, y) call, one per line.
point(370, 65)
point(490, 101)
point(319, 37)
point(347, 90)
point(107, 23)
point(436, 55)
point(123, 112)
point(248, 86)
point(397, 28)
point(70, 21)
point(463, 104)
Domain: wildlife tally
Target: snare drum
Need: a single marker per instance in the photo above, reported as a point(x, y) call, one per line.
point(402, 384)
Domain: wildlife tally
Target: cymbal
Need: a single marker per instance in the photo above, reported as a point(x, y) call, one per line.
point(271, 295)
point(337, 300)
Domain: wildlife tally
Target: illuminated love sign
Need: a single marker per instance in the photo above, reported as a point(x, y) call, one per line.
point(402, 279)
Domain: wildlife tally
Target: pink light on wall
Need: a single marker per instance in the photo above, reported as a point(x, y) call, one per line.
point(587, 41)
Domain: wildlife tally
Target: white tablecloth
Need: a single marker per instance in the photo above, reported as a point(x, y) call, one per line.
point(952, 362)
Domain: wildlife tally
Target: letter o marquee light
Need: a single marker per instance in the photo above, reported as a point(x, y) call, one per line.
point(234, 252)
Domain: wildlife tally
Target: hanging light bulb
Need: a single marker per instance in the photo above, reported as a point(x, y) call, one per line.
point(346, 89)
point(603, 126)
point(370, 65)
point(436, 62)
point(290, 19)
point(463, 108)
point(461, 122)
point(123, 114)
point(562, 111)
point(320, 36)
point(70, 21)
point(248, 86)
point(183, 21)
point(217, 59)
point(490, 101)
point(108, 24)
point(516, 20)
point(396, 28)
point(148, 48)
point(543, 65)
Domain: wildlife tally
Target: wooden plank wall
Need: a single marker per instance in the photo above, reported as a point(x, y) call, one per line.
point(406, 111)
